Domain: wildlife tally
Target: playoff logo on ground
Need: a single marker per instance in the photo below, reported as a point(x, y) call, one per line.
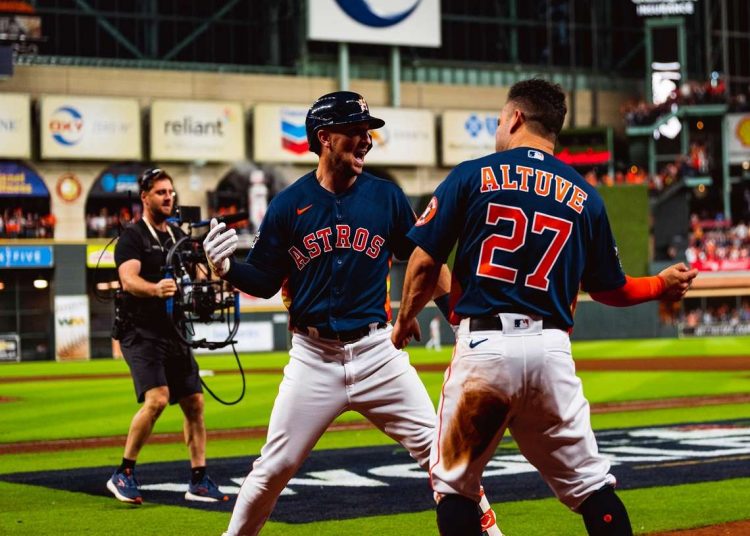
point(373, 480)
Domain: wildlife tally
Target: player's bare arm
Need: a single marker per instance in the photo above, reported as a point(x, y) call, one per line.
point(133, 283)
point(671, 284)
point(443, 285)
point(420, 283)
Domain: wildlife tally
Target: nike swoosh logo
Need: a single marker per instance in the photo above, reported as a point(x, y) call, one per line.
point(301, 211)
point(474, 344)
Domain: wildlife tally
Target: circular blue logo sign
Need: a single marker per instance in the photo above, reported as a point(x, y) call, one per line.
point(362, 12)
point(66, 125)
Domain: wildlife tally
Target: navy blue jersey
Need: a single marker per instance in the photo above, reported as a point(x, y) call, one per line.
point(335, 251)
point(530, 231)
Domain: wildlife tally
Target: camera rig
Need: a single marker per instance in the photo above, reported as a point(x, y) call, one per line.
point(199, 298)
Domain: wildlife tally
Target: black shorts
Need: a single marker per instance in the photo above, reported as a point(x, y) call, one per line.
point(157, 361)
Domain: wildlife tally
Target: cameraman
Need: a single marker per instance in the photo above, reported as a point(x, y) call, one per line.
point(163, 368)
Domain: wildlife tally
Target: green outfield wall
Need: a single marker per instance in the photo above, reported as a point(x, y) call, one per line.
point(628, 210)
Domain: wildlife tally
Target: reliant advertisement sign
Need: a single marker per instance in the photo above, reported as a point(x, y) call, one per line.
point(381, 22)
point(408, 137)
point(15, 126)
point(90, 128)
point(187, 131)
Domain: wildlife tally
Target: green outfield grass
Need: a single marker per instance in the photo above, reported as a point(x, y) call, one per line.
point(73, 408)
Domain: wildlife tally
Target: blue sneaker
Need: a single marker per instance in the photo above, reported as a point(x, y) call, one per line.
point(205, 491)
point(124, 486)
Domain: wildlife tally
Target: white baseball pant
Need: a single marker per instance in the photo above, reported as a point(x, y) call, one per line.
point(521, 378)
point(323, 379)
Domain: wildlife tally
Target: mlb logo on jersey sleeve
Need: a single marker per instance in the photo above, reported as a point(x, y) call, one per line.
point(537, 155)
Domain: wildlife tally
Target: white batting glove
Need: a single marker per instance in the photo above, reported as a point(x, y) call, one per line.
point(220, 244)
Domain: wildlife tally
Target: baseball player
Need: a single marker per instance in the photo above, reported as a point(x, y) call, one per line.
point(530, 232)
point(434, 341)
point(327, 240)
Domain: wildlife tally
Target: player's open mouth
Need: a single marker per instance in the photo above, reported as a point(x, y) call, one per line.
point(359, 157)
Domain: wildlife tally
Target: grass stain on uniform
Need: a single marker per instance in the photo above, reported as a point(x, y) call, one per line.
point(478, 416)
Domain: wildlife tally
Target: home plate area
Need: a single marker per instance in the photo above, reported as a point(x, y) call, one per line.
point(385, 480)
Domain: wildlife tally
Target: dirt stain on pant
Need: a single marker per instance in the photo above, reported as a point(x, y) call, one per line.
point(479, 415)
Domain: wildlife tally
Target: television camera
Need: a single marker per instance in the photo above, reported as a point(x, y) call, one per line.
point(199, 297)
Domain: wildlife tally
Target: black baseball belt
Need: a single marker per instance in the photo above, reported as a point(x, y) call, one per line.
point(341, 336)
point(494, 323)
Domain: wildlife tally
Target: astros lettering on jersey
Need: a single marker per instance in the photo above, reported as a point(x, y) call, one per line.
point(335, 250)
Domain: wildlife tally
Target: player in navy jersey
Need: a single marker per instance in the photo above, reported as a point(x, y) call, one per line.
point(327, 241)
point(530, 233)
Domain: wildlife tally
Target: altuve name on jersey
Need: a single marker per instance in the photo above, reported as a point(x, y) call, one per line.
point(324, 241)
point(544, 184)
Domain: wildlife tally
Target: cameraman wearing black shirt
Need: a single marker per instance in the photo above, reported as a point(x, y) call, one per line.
point(163, 368)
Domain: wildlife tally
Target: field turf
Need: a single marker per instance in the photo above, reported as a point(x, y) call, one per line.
point(79, 407)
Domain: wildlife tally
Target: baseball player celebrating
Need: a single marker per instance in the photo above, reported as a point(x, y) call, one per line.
point(530, 231)
point(327, 241)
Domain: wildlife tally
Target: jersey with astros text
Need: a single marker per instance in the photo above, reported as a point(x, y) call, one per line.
point(335, 251)
point(530, 232)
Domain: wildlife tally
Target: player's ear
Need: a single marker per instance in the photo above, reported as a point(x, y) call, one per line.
point(324, 137)
point(516, 120)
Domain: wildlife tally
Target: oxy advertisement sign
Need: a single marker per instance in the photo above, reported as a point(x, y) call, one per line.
point(467, 135)
point(72, 328)
point(381, 22)
point(197, 130)
point(15, 126)
point(738, 134)
point(90, 128)
point(408, 137)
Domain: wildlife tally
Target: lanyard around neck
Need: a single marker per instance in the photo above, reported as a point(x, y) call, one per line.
point(156, 237)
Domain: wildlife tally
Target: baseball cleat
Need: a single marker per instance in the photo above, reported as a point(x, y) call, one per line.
point(205, 491)
point(124, 487)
